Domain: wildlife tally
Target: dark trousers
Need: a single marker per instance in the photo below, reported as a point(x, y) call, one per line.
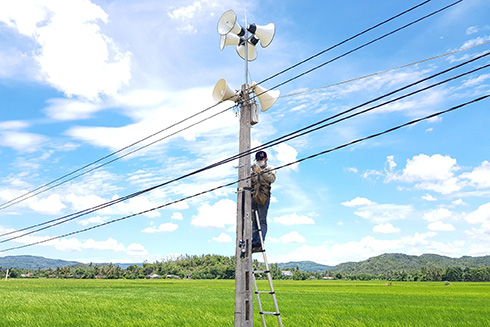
point(262, 212)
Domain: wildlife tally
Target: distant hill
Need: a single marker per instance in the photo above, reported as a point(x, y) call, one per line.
point(376, 265)
point(410, 263)
point(33, 262)
point(304, 266)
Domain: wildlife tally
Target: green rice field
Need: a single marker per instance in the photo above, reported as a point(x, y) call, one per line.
point(71, 302)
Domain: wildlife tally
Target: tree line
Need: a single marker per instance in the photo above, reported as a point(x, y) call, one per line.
point(222, 267)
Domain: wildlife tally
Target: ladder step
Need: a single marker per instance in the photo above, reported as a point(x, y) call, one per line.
point(261, 271)
point(264, 292)
point(270, 313)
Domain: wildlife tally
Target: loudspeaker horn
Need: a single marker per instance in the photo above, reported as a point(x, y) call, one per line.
point(266, 98)
point(223, 92)
point(264, 33)
point(227, 23)
point(229, 39)
point(252, 52)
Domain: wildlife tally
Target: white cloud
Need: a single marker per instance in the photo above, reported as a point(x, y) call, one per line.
point(385, 228)
point(289, 238)
point(358, 201)
point(471, 30)
point(294, 219)
point(219, 215)
point(223, 238)
point(433, 173)
point(429, 168)
point(177, 216)
point(438, 214)
point(480, 215)
point(383, 213)
point(74, 56)
point(137, 250)
point(480, 176)
point(93, 220)
point(286, 154)
point(391, 162)
point(428, 197)
point(440, 226)
point(69, 109)
point(166, 227)
point(22, 141)
point(51, 205)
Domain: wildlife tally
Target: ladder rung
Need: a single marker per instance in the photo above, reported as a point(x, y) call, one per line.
point(270, 313)
point(265, 292)
point(261, 271)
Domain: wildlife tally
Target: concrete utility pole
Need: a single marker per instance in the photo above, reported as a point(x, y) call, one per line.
point(233, 34)
point(243, 267)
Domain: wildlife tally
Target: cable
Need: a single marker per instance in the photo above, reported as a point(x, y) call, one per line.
point(381, 72)
point(13, 201)
point(271, 143)
point(275, 169)
point(366, 44)
point(23, 197)
point(344, 41)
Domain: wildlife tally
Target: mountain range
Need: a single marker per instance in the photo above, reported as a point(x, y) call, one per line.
point(375, 265)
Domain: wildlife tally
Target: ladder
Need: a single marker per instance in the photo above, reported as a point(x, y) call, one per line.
point(269, 277)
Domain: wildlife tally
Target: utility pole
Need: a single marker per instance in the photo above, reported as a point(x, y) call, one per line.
point(243, 266)
point(233, 34)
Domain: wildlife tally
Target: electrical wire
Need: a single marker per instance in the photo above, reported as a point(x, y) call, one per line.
point(31, 194)
point(439, 113)
point(305, 130)
point(382, 72)
point(344, 41)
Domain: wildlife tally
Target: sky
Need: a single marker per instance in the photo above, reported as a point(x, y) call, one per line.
point(81, 79)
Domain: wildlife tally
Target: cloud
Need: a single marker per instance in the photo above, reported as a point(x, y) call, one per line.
point(69, 109)
point(480, 215)
point(433, 173)
point(22, 141)
point(93, 220)
point(385, 228)
point(223, 238)
point(177, 216)
point(51, 205)
point(382, 213)
point(292, 237)
point(221, 215)
point(440, 226)
point(166, 227)
point(358, 201)
point(294, 219)
point(286, 154)
point(428, 197)
point(429, 168)
point(480, 176)
point(73, 55)
point(438, 215)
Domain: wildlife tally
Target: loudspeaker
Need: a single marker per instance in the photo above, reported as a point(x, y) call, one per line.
point(229, 39)
point(223, 92)
point(252, 52)
point(264, 33)
point(227, 23)
point(266, 98)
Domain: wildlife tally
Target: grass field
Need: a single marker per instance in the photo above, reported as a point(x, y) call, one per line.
point(60, 302)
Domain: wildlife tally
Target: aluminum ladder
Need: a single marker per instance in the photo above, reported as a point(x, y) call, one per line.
point(269, 277)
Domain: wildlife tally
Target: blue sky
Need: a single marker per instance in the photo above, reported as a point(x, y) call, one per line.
point(80, 79)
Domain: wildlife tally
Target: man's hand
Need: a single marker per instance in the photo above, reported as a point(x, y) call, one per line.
point(256, 169)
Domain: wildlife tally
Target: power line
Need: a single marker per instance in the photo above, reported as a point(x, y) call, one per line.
point(43, 188)
point(277, 168)
point(344, 41)
point(305, 130)
point(383, 71)
point(366, 44)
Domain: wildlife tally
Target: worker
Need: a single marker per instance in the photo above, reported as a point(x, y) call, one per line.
point(262, 178)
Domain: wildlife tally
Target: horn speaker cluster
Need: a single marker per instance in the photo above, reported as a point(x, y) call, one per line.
point(233, 34)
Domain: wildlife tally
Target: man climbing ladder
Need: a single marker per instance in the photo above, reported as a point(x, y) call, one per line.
point(262, 178)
